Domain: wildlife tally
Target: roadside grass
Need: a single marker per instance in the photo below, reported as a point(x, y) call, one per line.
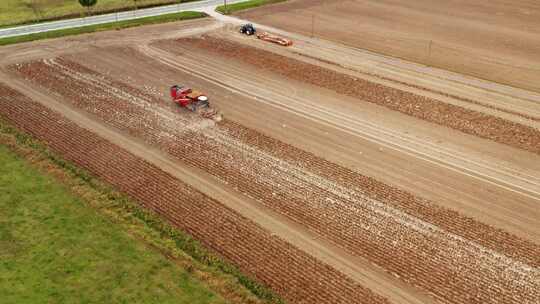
point(18, 12)
point(231, 8)
point(64, 233)
point(103, 27)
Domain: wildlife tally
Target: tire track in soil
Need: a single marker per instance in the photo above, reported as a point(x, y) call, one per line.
point(422, 254)
point(107, 66)
point(293, 274)
point(428, 109)
point(423, 88)
point(462, 159)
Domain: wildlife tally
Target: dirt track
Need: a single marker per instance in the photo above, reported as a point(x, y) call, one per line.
point(495, 40)
point(347, 220)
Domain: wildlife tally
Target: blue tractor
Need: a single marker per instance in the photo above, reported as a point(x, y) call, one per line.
point(248, 29)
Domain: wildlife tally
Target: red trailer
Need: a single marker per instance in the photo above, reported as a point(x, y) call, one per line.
point(275, 39)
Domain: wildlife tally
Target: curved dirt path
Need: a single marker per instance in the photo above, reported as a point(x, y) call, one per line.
point(50, 48)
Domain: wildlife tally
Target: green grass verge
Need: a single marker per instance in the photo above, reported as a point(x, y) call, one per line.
point(231, 8)
point(19, 12)
point(55, 249)
point(118, 208)
point(103, 27)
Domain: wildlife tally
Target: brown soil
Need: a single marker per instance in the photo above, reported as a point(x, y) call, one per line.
point(391, 242)
point(495, 40)
point(326, 198)
point(339, 147)
point(426, 89)
point(465, 120)
point(293, 274)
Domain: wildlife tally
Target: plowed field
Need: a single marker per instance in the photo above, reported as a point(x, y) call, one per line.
point(366, 218)
point(441, 113)
point(324, 186)
point(293, 274)
point(495, 40)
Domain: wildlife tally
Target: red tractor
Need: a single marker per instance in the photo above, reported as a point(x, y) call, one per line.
point(193, 100)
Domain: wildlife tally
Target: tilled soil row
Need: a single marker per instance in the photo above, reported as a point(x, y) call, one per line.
point(443, 263)
point(426, 89)
point(495, 239)
point(490, 237)
point(452, 116)
point(452, 221)
point(291, 273)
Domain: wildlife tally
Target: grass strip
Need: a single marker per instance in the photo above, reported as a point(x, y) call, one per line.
point(54, 248)
point(104, 27)
point(231, 8)
point(80, 11)
point(142, 222)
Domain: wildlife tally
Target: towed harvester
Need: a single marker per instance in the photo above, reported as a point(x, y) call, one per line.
point(275, 39)
point(194, 101)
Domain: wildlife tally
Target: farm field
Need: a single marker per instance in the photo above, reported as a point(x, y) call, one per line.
point(495, 40)
point(56, 248)
point(330, 179)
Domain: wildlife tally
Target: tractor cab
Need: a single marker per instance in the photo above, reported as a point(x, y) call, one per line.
point(248, 29)
point(179, 92)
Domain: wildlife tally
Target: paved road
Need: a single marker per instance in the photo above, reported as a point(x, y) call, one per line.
point(128, 15)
